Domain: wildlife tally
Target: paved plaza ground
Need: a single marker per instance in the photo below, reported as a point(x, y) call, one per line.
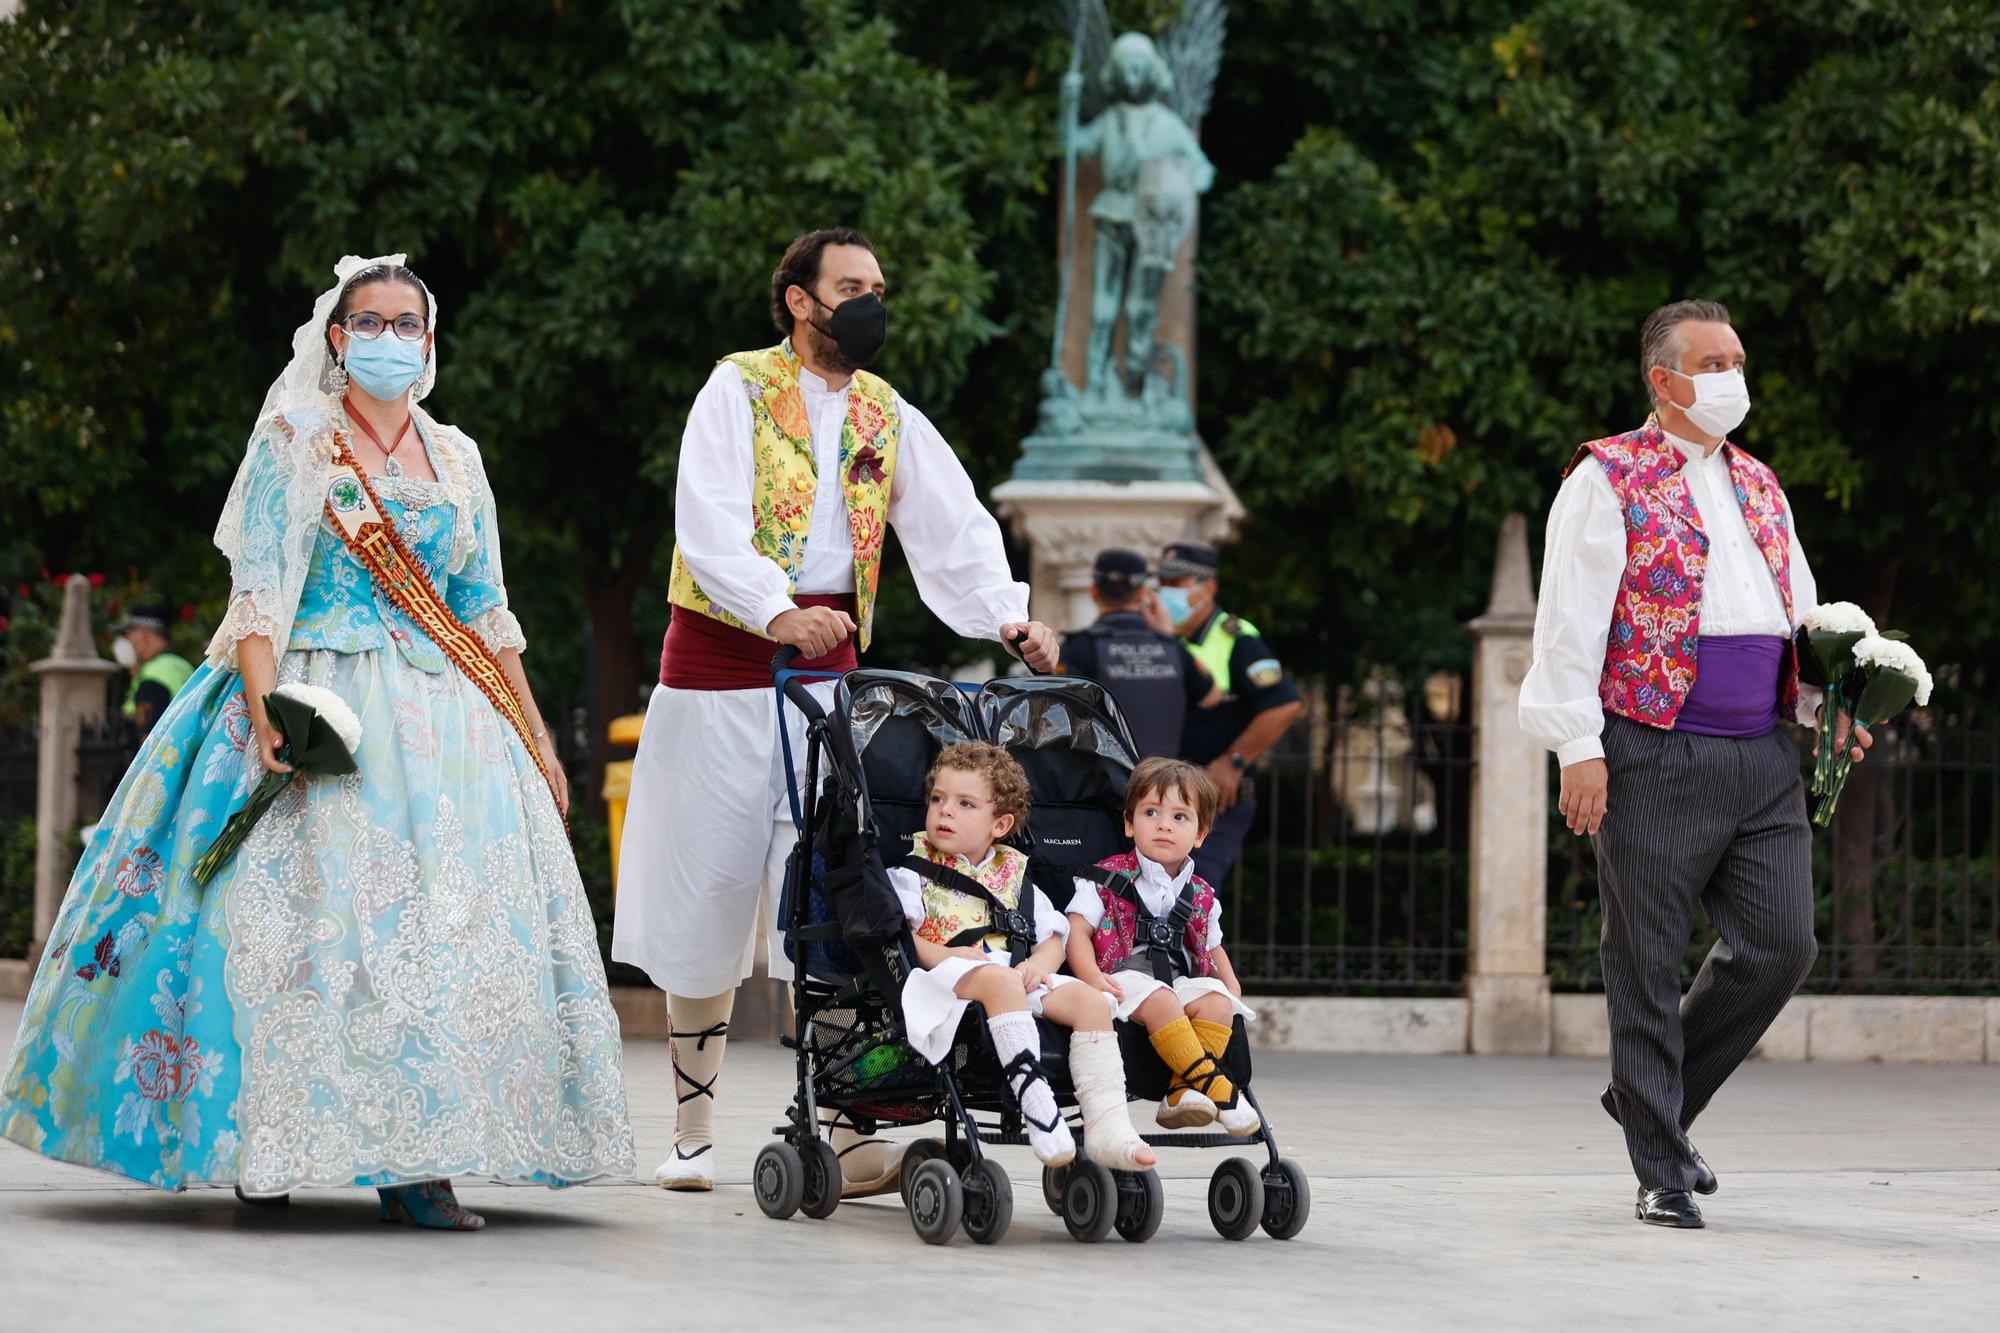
point(1448, 1193)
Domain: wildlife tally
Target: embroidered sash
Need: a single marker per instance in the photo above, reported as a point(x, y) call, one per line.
point(358, 519)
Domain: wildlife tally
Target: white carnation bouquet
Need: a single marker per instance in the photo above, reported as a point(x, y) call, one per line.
point(1869, 674)
point(321, 734)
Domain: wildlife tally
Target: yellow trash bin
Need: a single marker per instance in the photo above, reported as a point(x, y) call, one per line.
point(624, 731)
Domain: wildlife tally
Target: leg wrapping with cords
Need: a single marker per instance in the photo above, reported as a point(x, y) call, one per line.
point(700, 1034)
point(1198, 1084)
point(1016, 1041)
point(1238, 1117)
point(868, 1166)
point(1099, 1075)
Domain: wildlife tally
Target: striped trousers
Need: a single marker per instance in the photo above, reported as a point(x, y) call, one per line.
point(1696, 819)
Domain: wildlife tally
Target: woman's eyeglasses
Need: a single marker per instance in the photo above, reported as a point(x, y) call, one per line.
point(368, 325)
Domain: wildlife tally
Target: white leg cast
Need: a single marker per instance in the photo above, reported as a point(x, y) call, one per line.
point(1099, 1075)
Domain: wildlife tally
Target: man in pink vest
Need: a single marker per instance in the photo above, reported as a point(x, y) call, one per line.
point(1672, 587)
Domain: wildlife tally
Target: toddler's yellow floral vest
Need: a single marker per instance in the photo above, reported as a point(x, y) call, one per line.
point(787, 478)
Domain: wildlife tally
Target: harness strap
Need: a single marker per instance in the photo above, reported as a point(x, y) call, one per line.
point(1017, 923)
point(1165, 960)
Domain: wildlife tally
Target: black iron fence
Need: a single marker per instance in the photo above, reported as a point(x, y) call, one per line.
point(1907, 897)
point(1354, 877)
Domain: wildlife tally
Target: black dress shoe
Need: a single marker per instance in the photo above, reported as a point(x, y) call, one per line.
point(1704, 1179)
point(1668, 1208)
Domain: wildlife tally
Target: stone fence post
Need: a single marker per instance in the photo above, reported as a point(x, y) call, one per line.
point(73, 677)
point(1507, 982)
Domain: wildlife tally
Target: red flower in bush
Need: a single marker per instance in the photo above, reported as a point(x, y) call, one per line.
point(187, 613)
point(96, 580)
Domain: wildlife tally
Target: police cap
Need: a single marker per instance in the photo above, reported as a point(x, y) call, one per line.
point(1183, 560)
point(1119, 572)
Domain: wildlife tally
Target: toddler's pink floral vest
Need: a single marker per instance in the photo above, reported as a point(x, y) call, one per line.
point(1116, 936)
point(1649, 661)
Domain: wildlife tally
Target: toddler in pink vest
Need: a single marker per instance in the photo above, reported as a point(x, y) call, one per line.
point(1175, 977)
point(978, 794)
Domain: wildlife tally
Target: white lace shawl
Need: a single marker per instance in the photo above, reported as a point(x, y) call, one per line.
point(271, 521)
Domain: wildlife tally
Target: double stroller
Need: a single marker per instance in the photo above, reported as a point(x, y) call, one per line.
point(858, 793)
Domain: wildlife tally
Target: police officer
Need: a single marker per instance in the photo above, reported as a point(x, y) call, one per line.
point(1258, 706)
point(157, 672)
point(1131, 650)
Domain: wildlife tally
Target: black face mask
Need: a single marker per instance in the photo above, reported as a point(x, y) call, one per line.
point(858, 326)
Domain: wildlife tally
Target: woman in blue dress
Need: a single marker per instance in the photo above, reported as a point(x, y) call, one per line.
point(396, 978)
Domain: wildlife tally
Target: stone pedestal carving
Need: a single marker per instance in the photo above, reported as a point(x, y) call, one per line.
point(1066, 523)
point(1507, 983)
point(73, 677)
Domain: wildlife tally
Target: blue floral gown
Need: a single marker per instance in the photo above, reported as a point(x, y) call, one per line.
point(397, 976)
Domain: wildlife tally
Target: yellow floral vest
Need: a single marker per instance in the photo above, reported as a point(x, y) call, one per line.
point(788, 478)
point(949, 913)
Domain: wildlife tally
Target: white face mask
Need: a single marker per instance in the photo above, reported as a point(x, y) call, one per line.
point(123, 653)
point(1721, 401)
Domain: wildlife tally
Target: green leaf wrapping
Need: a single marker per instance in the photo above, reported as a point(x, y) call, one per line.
point(311, 745)
point(1872, 695)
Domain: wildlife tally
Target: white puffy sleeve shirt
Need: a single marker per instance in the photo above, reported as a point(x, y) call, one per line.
point(953, 543)
point(1582, 565)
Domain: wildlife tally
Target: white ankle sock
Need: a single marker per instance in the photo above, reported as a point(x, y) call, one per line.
point(1012, 1034)
point(1098, 1072)
point(701, 1031)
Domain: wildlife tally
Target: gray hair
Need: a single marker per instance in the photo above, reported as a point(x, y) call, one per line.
point(1660, 341)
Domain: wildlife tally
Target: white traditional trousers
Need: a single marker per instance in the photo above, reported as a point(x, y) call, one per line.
point(708, 826)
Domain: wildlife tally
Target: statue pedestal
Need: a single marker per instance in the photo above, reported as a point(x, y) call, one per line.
point(1066, 523)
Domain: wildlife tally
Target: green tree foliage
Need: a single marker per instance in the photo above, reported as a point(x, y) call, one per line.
point(597, 198)
point(1435, 231)
point(1434, 297)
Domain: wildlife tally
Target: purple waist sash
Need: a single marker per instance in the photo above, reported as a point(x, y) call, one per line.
point(1735, 690)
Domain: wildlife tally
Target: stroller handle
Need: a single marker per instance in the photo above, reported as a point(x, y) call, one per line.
point(792, 683)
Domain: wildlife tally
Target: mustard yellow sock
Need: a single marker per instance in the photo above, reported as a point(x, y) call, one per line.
point(1181, 1048)
point(1214, 1039)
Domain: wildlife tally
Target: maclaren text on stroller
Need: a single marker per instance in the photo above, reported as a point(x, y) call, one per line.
point(858, 796)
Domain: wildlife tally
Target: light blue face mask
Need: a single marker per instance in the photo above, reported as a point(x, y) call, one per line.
point(1179, 603)
point(385, 367)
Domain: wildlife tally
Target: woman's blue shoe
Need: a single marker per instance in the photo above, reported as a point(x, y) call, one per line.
point(430, 1204)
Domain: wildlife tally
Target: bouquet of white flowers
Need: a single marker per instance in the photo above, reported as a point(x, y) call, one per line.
point(321, 735)
point(1869, 675)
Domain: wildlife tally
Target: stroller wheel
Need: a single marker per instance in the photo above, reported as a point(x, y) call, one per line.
point(1235, 1198)
point(914, 1156)
point(989, 1201)
point(936, 1202)
point(1090, 1201)
point(1142, 1203)
point(1287, 1200)
point(821, 1194)
point(779, 1180)
point(1053, 1178)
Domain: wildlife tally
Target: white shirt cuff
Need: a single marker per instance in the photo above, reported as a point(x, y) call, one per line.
point(1579, 750)
point(769, 610)
point(1810, 698)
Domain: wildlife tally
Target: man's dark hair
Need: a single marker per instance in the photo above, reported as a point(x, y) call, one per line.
point(1660, 336)
point(800, 267)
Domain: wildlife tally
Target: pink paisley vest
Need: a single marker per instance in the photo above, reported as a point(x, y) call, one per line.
point(1117, 932)
point(1649, 661)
